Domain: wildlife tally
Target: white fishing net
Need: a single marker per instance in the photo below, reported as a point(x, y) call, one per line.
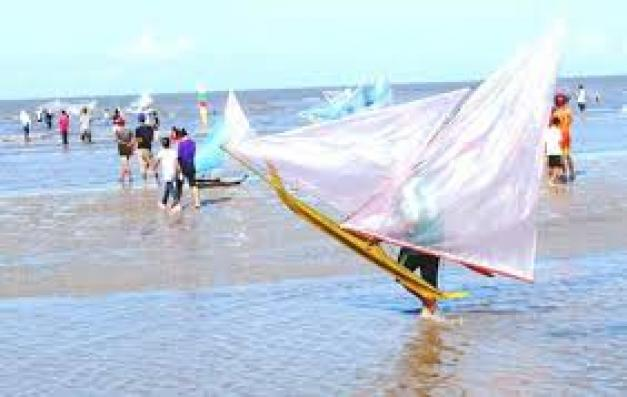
point(460, 183)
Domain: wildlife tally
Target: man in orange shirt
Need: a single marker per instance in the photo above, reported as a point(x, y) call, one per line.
point(562, 112)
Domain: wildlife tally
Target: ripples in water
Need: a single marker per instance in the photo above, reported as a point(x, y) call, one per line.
point(356, 335)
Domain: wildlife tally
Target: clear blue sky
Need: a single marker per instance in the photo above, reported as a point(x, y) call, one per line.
point(70, 47)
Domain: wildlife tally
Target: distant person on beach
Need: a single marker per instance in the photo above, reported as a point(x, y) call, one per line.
point(167, 159)
point(562, 111)
point(428, 265)
point(84, 122)
point(118, 120)
point(552, 142)
point(48, 118)
point(581, 98)
point(124, 139)
point(26, 124)
point(597, 97)
point(64, 127)
point(153, 119)
point(186, 149)
point(144, 135)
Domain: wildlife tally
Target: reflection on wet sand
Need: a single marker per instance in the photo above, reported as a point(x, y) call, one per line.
point(426, 365)
point(100, 242)
point(261, 304)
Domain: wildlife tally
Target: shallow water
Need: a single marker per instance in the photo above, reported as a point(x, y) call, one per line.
point(101, 293)
point(337, 336)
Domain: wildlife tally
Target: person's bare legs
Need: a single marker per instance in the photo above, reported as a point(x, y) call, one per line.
point(571, 167)
point(195, 196)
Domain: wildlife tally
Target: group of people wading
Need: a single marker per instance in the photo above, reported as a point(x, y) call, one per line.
point(172, 165)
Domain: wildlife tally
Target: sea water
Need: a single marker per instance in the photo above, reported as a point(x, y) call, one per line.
point(103, 294)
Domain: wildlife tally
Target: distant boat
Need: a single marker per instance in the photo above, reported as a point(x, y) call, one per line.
point(342, 103)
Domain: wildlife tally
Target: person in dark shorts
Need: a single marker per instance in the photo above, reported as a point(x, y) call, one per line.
point(581, 98)
point(48, 118)
point(553, 149)
point(144, 135)
point(428, 266)
point(26, 123)
point(125, 141)
point(186, 153)
point(167, 158)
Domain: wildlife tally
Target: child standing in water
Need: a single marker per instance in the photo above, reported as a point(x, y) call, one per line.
point(564, 115)
point(167, 158)
point(552, 141)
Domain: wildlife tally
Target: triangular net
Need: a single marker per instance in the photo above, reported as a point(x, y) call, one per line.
point(230, 129)
point(470, 195)
point(344, 162)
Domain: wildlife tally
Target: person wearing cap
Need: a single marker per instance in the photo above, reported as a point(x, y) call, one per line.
point(562, 112)
point(144, 135)
point(186, 150)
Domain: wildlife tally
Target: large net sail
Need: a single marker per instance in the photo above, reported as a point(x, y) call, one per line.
point(227, 130)
point(470, 194)
point(345, 162)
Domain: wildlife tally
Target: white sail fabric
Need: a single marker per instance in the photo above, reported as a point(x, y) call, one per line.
point(228, 130)
point(235, 121)
point(471, 194)
point(345, 162)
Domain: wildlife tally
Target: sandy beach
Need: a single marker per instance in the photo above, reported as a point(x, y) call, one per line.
point(105, 294)
point(118, 241)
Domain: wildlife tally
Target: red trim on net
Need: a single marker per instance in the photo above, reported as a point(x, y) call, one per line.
point(474, 266)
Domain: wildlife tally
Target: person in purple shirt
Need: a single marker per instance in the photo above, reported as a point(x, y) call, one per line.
point(186, 153)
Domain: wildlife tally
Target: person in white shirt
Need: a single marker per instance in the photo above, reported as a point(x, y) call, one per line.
point(84, 122)
point(167, 158)
point(25, 120)
point(552, 140)
point(581, 98)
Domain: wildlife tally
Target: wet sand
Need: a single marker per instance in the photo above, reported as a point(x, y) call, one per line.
point(115, 241)
point(352, 335)
point(104, 294)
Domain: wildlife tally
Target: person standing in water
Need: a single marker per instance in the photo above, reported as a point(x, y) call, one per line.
point(26, 124)
point(124, 139)
point(562, 112)
point(167, 158)
point(552, 140)
point(186, 154)
point(64, 127)
point(144, 135)
point(48, 119)
point(117, 120)
point(428, 265)
point(84, 122)
point(581, 98)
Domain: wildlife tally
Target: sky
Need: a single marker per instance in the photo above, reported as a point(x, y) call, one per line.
point(77, 48)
